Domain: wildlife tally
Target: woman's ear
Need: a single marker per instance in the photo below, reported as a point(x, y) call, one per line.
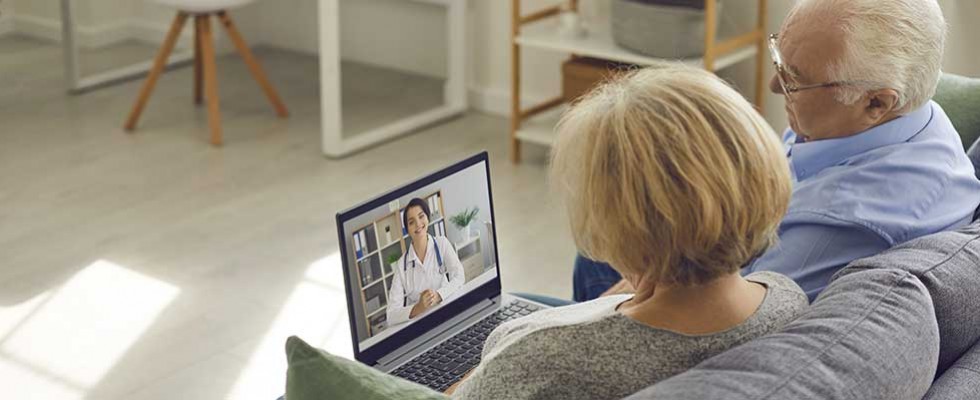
point(881, 104)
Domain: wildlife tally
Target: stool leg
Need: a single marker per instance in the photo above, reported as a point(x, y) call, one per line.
point(253, 64)
point(197, 59)
point(158, 65)
point(210, 80)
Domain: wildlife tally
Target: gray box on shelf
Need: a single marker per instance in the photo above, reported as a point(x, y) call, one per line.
point(660, 28)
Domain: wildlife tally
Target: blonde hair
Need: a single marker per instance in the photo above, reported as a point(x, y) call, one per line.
point(669, 175)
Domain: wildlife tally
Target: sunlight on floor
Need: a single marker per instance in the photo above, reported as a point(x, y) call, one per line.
point(63, 341)
point(316, 311)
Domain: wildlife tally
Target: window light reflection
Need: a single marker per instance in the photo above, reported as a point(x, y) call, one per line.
point(316, 311)
point(62, 342)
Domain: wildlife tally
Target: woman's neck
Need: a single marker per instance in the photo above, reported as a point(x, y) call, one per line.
point(712, 307)
point(421, 246)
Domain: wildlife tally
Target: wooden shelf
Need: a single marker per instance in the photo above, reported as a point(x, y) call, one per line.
point(372, 283)
point(366, 256)
point(599, 44)
point(385, 247)
point(473, 238)
point(376, 312)
point(540, 129)
point(539, 30)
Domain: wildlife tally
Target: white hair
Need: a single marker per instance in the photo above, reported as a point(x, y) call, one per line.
point(888, 44)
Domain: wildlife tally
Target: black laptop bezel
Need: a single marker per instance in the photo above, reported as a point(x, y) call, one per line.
point(485, 291)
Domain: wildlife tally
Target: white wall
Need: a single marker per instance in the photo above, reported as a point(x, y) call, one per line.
point(287, 24)
point(962, 52)
point(405, 35)
point(98, 22)
point(6, 17)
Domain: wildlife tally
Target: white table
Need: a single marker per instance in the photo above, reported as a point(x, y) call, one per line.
point(334, 142)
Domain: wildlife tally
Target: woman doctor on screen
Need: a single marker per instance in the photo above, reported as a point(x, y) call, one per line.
point(427, 273)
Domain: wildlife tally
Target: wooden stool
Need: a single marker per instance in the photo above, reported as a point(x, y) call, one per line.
point(204, 64)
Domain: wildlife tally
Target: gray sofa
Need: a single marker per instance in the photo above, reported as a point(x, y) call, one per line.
point(900, 325)
point(884, 328)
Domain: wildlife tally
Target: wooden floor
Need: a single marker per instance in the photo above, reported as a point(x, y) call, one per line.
point(154, 266)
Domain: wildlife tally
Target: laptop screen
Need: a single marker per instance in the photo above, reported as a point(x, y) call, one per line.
point(412, 255)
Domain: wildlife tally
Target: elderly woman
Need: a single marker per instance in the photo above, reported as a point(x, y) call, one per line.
point(672, 178)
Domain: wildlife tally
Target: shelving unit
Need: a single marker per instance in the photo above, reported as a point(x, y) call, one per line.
point(539, 30)
point(380, 240)
point(470, 255)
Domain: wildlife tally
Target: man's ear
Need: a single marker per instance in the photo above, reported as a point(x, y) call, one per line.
point(881, 104)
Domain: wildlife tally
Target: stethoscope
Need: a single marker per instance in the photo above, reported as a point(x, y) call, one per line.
point(442, 268)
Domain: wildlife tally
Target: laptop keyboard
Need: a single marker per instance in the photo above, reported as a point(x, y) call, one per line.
point(444, 364)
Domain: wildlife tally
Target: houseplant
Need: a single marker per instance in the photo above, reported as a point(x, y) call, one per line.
point(464, 219)
point(392, 260)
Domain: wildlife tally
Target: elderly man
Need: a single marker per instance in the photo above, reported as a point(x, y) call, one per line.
point(875, 161)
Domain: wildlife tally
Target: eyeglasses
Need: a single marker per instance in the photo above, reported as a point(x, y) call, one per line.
point(781, 72)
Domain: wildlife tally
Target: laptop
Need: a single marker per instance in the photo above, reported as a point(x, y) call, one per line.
point(440, 345)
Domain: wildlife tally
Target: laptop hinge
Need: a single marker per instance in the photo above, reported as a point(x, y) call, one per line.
point(447, 329)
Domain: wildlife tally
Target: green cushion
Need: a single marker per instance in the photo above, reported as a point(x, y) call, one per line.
point(960, 97)
point(316, 374)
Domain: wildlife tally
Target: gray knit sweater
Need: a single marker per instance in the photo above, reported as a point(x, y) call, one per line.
point(589, 350)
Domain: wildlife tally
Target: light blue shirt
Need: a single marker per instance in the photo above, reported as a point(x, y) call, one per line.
point(856, 196)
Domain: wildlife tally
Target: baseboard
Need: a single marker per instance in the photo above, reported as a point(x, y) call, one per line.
point(496, 101)
point(490, 101)
point(100, 36)
point(154, 33)
point(40, 28)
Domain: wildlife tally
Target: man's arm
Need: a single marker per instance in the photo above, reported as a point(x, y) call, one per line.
point(812, 247)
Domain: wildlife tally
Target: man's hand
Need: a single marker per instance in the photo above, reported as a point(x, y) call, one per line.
point(427, 299)
point(621, 287)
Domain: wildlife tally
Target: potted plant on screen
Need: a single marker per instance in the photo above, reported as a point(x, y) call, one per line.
point(392, 260)
point(464, 219)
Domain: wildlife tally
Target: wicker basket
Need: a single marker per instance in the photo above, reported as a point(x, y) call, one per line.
point(660, 28)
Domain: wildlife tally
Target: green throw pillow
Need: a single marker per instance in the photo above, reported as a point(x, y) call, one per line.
point(316, 374)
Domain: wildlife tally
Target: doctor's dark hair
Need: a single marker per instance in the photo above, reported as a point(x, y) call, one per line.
point(416, 202)
point(670, 176)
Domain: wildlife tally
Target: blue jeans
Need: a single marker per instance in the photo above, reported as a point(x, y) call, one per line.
point(591, 278)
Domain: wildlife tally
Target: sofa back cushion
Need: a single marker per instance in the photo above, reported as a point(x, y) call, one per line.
point(948, 264)
point(870, 335)
point(961, 381)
